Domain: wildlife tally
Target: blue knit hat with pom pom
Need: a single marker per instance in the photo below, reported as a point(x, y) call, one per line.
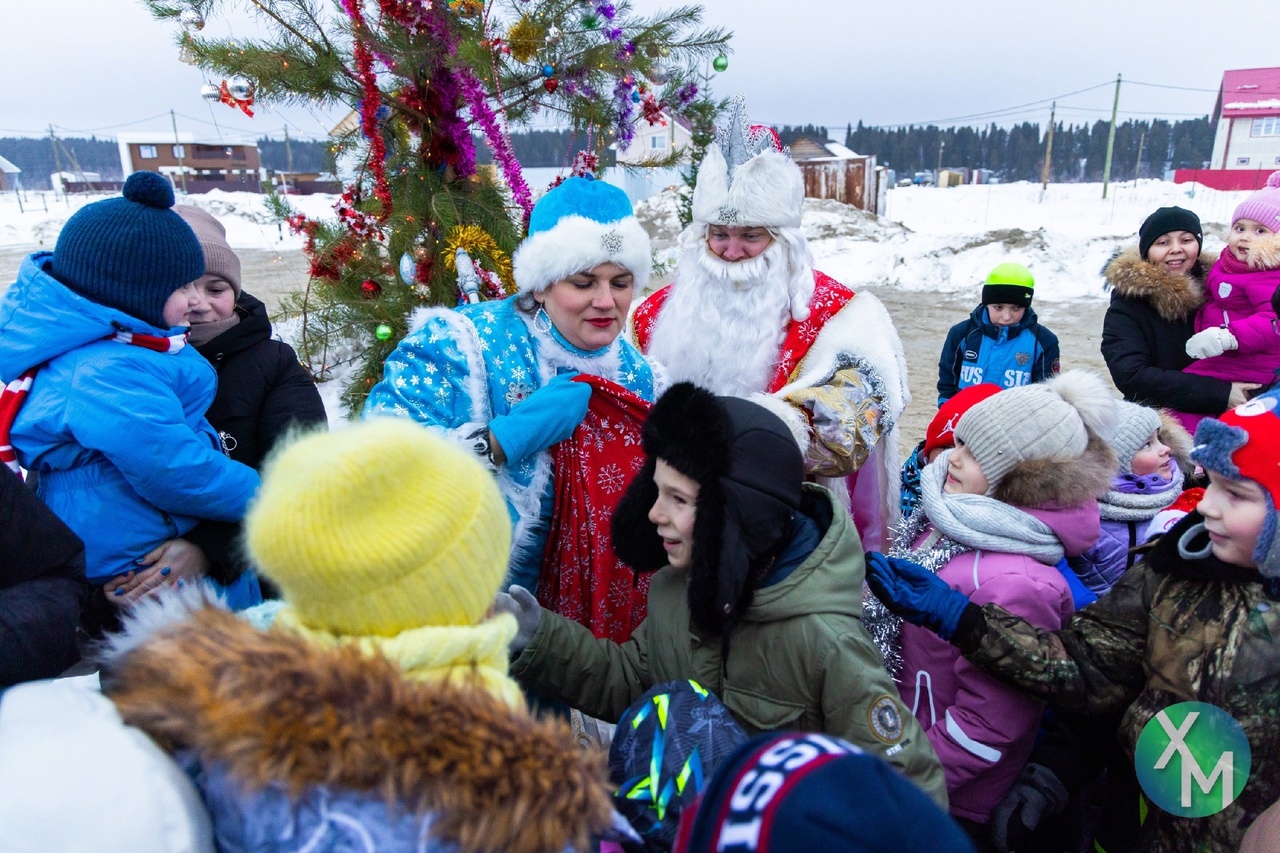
point(129, 253)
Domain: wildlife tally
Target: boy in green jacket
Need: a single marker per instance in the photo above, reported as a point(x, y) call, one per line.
point(757, 596)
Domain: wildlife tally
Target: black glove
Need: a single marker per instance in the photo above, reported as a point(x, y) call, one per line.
point(1037, 793)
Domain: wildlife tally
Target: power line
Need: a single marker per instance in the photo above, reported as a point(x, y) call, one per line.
point(109, 126)
point(1166, 86)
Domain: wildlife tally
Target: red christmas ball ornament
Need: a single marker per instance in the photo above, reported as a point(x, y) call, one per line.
point(370, 288)
point(550, 84)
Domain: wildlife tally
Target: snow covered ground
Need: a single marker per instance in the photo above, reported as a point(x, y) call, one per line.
point(931, 240)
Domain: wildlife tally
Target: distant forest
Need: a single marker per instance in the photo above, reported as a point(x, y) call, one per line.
point(1143, 149)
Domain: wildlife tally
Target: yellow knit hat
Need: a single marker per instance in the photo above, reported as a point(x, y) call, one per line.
point(378, 528)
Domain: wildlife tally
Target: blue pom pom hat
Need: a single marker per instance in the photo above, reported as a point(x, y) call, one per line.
point(130, 253)
point(579, 225)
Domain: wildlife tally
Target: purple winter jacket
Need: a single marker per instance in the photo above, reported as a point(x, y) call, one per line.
point(981, 727)
point(1102, 565)
point(1239, 300)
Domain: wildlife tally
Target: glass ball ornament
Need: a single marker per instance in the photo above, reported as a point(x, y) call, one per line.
point(550, 84)
point(210, 92)
point(383, 332)
point(548, 70)
point(658, 74)
point(408, 269)
point(191, 20)
point(635, 96)
point(240, 88)
point(370, 289)
point(720, 63)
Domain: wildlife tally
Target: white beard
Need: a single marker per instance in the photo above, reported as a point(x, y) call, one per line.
point(722, 324)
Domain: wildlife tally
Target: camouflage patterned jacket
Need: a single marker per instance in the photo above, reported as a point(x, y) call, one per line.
point(1171, 630)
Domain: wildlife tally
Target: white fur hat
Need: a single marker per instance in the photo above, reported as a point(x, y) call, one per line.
point(747, 178)
point(578, 225)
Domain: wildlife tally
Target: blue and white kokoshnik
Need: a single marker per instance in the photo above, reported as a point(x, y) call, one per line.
point(578, 225)
point(458, 369)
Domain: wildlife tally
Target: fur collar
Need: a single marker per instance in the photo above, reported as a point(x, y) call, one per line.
point(1265, 253)
point(278, 709)
point(1174, 296)
point(1060, 481)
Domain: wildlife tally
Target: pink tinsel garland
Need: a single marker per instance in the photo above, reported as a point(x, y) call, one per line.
point(482, 113)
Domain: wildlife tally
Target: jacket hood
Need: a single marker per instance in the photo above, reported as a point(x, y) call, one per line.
point(1264, 254)
point(493, 778)
point(991, 330)
point(1058, 481)
point(829, 580)
point(1173, 295)
point(1077, 527)
point(254, 326)
point(41, 318)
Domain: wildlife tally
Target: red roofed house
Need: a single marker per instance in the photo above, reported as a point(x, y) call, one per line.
point(1246, 149)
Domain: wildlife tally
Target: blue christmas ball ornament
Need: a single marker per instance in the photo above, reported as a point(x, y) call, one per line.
point(548, 70)
point(635, 97)
point(383, 113)
point(408, 269)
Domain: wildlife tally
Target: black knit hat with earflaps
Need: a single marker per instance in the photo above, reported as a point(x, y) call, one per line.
point(749, 473)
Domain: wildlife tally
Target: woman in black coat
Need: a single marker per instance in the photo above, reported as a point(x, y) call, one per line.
point(1156, 289)
point(263, 392)
point(42, 586)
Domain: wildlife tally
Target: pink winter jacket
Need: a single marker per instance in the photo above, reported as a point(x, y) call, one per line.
point(1239, 299)
point(983, 728)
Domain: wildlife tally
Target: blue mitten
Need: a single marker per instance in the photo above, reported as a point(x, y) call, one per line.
point(545, 417)
point(915, 593)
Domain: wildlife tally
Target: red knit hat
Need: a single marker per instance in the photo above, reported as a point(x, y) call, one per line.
point(941, 431)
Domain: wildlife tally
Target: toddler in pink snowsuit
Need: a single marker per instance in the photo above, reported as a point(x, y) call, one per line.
point(1235, 337)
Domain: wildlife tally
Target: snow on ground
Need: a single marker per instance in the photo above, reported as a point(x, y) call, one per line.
point(930, 240)
point(947, 240)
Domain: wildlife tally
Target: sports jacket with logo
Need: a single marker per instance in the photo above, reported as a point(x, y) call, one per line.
point(978, 351)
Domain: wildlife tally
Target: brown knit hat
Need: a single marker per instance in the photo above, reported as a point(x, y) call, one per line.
point(219, 260)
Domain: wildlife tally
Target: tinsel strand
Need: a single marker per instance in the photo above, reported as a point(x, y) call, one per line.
point(482, 113)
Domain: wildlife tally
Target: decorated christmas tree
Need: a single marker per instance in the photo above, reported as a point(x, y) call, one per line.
point(420, 223)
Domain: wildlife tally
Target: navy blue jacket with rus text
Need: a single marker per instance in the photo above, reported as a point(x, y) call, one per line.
point(978, 351)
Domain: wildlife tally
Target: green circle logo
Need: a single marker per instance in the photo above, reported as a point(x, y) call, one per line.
point(1192, 759)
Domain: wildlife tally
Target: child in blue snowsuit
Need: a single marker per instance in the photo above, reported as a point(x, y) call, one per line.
point(106, 402)
point(1002, 342)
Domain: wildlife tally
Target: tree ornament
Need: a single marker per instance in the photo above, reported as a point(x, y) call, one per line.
point(211, 93)
point(185, 55)
point(550, 85)
point(591, 22)
point(720, 63)
point(553, 36)
point(548, 70)
point(408, 269)
point(240, 88)
point(658, 74)
point(524, 37)
point(635, 96)
point(370, 289)
point(191, 20)
point(383, 332)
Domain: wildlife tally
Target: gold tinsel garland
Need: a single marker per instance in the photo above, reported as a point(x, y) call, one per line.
point(480, 246)
point(524, 38)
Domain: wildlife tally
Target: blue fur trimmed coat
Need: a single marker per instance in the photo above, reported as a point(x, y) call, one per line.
point(459, 369)
point(116, 432)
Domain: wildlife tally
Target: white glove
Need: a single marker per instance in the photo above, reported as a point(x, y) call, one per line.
point(1211, 342)
point(520, 603)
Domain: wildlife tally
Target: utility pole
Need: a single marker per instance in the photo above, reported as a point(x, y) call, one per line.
point(57, 164)
point(180, 150)
point(1111, 140)
point(1137, 167)
point(942, 146)
point(1048, 150)
point(288, 159)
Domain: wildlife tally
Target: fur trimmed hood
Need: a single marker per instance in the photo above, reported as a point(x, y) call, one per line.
point(1264, 254)
point(1175, 436)
point(749, 473)
point(278, 710)
point(1059, 481)
point(1174, 296)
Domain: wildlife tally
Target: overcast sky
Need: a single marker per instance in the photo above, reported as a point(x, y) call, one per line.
point(104, 66)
